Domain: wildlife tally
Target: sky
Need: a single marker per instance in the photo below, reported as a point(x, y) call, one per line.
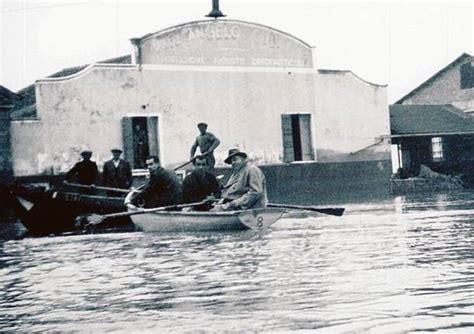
point(400, 44)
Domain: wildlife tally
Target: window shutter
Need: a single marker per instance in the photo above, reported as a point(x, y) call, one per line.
point(305, 132)
point(153, 138)
point(467, 75)
point(127, 132)
point(288, 152)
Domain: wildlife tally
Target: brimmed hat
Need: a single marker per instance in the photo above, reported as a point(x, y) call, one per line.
point(86, 153)
point(116, 150)
point(202, 124)
point(234, 152)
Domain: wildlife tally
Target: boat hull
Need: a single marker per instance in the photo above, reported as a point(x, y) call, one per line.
point(55, 212)
point(175, 221)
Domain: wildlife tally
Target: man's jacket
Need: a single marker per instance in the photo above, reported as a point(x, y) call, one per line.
point(246, 188)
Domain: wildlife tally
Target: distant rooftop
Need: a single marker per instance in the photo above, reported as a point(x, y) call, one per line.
point(462, 58)
point(429, 119)
point(127, 59)
point(7, 97)
point(25, 105)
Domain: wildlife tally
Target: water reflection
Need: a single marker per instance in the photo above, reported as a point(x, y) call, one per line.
point(403, 265)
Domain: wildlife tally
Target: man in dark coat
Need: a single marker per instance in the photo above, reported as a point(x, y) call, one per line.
point(117, 172)
point(200, 184)
point(85, 171)
point(162, 189)
point(207, 143)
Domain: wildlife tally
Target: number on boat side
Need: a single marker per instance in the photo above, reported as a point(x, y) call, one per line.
point(253, 220)
point(259, 219)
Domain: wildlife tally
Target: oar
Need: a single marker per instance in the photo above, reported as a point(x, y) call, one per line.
point(115, 189)
point(181, 166)
point(95, 219)
point(327, 211)
point(96, 187)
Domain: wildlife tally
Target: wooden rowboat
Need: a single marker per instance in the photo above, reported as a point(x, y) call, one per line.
point(194, 221)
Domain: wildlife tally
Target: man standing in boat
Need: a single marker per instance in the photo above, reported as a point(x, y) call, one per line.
point(162, 189)
point(246, 188)
point(200, 184)
point(85, 171)
point(207, 143)
point(117, 172)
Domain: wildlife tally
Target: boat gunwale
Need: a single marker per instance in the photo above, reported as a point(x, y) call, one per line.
point(91, 196)
point(202, 213)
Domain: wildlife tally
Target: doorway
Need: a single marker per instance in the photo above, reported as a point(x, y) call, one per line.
point(297, 143)
point(140, 136)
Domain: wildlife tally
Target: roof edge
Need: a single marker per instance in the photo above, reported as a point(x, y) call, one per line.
point(429, 134)
point(84, 71)
point(434, 76)
point(331, 71)
point(178, 26)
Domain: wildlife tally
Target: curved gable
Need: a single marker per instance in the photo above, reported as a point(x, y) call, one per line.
point(223, 43)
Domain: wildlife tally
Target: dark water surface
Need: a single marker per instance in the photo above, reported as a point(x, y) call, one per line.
point(405, 265)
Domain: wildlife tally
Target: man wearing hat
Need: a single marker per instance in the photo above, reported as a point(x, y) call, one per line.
point(85, 171)
point(207, 143)
point(246, 188)
point(117, 172)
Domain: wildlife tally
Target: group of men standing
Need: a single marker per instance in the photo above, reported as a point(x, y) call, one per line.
point(245, 189)
point(117, 172)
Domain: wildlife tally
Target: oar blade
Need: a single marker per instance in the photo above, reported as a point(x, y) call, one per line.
point(94, 219)
point(330, 211)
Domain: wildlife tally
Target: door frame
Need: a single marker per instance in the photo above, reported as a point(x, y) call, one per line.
point(159, 128)
point(313, 135)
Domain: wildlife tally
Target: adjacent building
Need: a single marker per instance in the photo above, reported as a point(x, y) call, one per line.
point(433, 125)
point(7, 102)
point(453, 84)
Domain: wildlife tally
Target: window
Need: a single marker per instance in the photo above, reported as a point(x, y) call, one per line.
point(296, 129)
point(437, 149)
point(467, 76)
point(140, 138)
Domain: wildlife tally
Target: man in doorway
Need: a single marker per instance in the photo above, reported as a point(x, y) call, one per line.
point(163, 187)
point(246, 188)
point(85, 171)
point(117, 172)
point(140, 143)
point(200, 185)
point(207, 143)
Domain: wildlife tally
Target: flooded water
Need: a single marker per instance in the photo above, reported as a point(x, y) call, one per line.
point(404, 265)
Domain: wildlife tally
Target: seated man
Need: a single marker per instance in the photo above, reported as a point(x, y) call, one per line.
point(162, 189)
point(246, 188)
point(200, 184)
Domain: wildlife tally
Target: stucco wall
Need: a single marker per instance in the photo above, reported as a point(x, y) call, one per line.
point(242, 108)
point(6, 168)
point(446, 89)
point(350, 115)
point(27, 146)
